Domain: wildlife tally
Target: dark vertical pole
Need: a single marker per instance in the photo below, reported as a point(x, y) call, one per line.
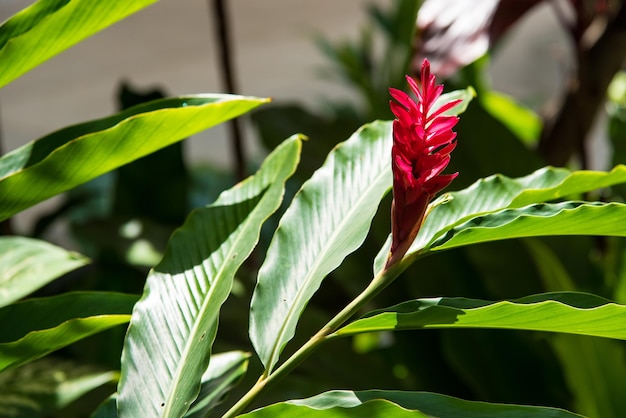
point(227, 74)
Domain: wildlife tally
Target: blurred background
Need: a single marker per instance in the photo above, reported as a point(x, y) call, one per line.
point(172, 46)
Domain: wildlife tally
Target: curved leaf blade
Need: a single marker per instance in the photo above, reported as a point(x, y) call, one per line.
point(49, 27)
point(567, 218)
point(573, 313)
point(77, 154)
point(167, 348)
point(397, 404)
point(327, 220)
point(47, 324)
point(26, 264)
point(500, 192)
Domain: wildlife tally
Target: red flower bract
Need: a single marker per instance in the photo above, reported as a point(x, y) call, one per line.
point(422, 142)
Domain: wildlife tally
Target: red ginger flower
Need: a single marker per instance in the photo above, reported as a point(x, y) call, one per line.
point(422, 142)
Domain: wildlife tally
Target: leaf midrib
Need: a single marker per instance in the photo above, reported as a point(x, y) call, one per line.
point(275, 352)
point(212, 290)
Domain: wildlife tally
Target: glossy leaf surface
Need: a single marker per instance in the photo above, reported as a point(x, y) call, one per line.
point(27, 264)
point(168, 344)
point(396, 404)
point(77, 154)
point(574, 313)
point(47, 324)
point(567, 218)
point(327, 220)
point(48, 27)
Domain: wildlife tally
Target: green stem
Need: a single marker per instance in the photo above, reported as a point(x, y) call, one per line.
point(381, 281)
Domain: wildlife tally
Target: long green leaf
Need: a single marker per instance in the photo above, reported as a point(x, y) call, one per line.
point(27, 264)
point(574, 313)
point(35, 327)
point(499, 192)
point(77, 154)
point(567, 218)
point(396, 404)
point(327, 220)
point(48, 27)
point(168, 344)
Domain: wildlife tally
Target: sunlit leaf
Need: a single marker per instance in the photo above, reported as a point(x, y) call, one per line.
point(167, 348)
point(499, 192)
point(48, 27)
point(327, 220)
point(35, 327)
point(567, 218)
point(574, 313)
point(77, 154)
point(396, 404)
point(27, 264)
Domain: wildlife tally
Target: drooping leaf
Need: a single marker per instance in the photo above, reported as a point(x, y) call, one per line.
point(327, 220)
point(378, 403)
point(225, 370)
point(574, 313)
point(35, 327)
point(167, 348)
point(27, 264)
point(74, 155)
point(567, 218)
point(47, 385)
point(48, 27)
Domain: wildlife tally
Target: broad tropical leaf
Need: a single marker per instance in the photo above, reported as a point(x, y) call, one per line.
point(396, 404)
point(574, 313)
point(168, 344)
point(35, 327)
point(48, 27)
point(327, 220)
point(225, 370)
point(47, 385)
point(567, 218)
point(27, 264)
point(499, 192)
point(77, 154)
